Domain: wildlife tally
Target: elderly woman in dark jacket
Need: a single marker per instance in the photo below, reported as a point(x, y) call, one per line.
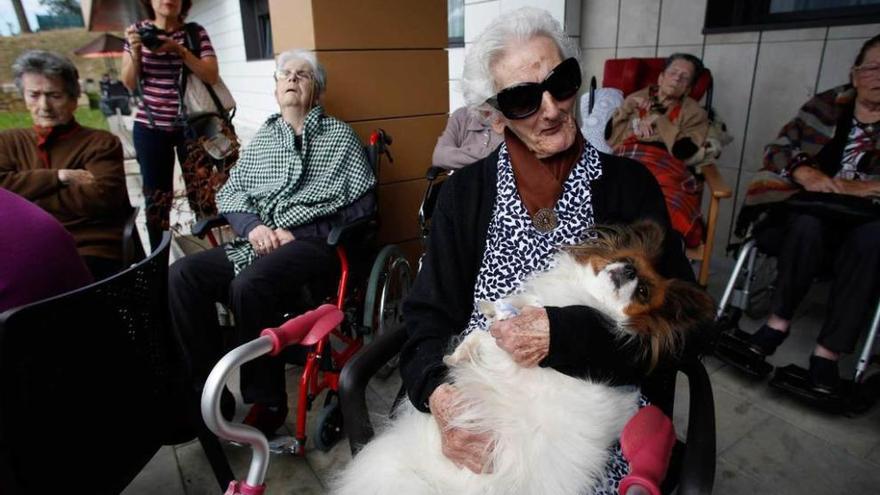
point(504, 217)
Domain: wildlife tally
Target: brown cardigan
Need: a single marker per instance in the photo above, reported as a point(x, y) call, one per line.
point(95, 213)
point(692, 122)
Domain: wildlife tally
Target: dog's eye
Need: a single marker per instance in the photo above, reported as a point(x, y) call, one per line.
point(642, 291)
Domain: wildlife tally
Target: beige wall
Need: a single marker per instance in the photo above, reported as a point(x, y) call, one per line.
point(761, 78)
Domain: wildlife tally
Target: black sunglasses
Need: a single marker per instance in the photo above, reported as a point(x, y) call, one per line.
point(522, 100)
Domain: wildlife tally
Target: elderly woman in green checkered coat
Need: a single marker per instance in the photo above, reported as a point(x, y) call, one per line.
point(303, 170)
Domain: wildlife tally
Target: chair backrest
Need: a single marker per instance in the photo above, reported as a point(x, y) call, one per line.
point(85, 379)
point(632, 74)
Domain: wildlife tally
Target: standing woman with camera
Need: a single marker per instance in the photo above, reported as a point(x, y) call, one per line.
point(155, 54)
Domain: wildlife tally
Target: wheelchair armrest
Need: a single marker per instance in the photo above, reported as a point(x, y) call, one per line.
point(434, 172)
point(203, 226)
point(717, 186)
point(698, 460)
point(344, 232)
point(353, 385)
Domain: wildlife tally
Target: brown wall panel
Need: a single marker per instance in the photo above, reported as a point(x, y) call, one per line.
point(399, 210)
point(413, 144)
point(381, 84)
point(292, 25)
point(375, 24)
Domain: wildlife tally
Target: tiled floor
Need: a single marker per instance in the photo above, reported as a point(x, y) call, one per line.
point(767, 443)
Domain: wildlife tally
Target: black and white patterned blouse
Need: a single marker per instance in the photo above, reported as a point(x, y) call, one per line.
point(515, 249)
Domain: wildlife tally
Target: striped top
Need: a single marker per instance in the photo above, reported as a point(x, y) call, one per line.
point(159, 79)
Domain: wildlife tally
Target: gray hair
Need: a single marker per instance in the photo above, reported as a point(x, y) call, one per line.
point(477, 82)
point(50, 65)
point(308, 56)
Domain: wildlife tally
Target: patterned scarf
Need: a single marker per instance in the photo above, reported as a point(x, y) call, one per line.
point(287, 188)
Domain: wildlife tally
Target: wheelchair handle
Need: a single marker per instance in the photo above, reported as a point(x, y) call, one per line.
point(306, 329)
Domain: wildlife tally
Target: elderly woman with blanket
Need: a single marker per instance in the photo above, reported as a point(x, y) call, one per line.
point(831, 146)
point(662, 127)
point(303, 170)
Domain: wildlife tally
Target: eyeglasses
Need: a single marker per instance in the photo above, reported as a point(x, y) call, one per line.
point(282, 74)
point(867, 70)
point(522, 100)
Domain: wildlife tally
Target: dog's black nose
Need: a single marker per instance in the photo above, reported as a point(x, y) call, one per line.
point(623, 275)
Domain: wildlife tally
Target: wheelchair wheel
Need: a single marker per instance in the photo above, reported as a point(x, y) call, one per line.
point(762, 286)
point(328, 427)
point(389, 284)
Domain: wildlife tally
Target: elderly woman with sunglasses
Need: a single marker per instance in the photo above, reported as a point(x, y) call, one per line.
point(504, 217)
point(302, 171)
point(662, 127)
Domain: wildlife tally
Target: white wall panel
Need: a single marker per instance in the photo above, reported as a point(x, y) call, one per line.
point(638, 23)
point(785, 76)
point(681, 22)
point(865, 31)
point(599, 23)
point(477, 16)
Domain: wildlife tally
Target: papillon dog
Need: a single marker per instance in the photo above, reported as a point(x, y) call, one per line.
point(551, 433)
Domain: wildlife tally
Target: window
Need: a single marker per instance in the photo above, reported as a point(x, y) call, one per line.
point(455, 15)
point(257, 28)
point(724, 16)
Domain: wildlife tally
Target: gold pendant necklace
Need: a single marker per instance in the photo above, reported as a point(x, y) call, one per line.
point(545, 220)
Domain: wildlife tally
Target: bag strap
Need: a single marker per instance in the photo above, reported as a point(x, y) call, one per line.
point(192, 31)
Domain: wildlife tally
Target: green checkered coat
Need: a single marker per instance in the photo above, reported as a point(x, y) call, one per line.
point(288, 188)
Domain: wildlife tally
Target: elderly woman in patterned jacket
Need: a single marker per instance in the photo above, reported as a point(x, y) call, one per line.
point(503, 218)
point(302, 170)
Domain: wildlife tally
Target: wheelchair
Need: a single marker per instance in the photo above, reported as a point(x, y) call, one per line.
point(749, 290)
point(369, 293)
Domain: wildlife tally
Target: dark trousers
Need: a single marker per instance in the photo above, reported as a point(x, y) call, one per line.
point(258, 297)
point(155, 150)
point(807, 245)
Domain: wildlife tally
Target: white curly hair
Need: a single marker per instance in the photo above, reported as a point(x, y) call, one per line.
point(477, 82)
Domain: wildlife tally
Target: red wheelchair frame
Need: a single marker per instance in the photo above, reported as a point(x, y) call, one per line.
point(389, 266)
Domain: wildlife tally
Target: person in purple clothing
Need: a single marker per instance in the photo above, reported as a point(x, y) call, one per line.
point(39, 256)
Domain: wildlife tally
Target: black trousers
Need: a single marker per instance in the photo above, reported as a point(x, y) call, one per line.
point(258, 297)
point(806, 246)
point(155, 153)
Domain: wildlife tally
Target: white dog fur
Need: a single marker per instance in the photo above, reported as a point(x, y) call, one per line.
point(552, 432)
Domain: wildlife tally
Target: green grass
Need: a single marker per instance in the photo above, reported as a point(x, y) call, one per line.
point(85, 116)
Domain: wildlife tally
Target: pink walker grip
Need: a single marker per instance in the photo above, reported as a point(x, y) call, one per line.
point(242, 488)
point(646, 442)
point(306, 329)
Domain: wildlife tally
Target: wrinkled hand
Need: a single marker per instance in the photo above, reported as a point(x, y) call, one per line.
point(815, 180)
point(862, 188)
point(463, 448)
point(284, 236)
point(263, 239)
point(526, 337)
point(75, 176)
point(645, 128)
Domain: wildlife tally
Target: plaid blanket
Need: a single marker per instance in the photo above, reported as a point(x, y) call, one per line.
point(681, 190)
point(288, 188)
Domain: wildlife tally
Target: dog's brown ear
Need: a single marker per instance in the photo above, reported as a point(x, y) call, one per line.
point(687, 306)
point(650, 236)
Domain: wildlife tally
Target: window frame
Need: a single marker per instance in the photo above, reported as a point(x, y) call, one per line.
point(255, 47)
point(734, 16)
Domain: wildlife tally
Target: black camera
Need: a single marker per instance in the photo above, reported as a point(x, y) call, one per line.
point(150, 36)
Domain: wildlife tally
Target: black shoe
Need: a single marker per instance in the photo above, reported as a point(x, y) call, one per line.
point(765, 341)
point(824, 375)
point(227, 404)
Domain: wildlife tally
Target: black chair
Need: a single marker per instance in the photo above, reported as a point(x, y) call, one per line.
point(692, 469)
point(132, 248)
point(91, 386)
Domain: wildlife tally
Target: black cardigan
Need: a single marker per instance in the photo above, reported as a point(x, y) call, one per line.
point(440, 303)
